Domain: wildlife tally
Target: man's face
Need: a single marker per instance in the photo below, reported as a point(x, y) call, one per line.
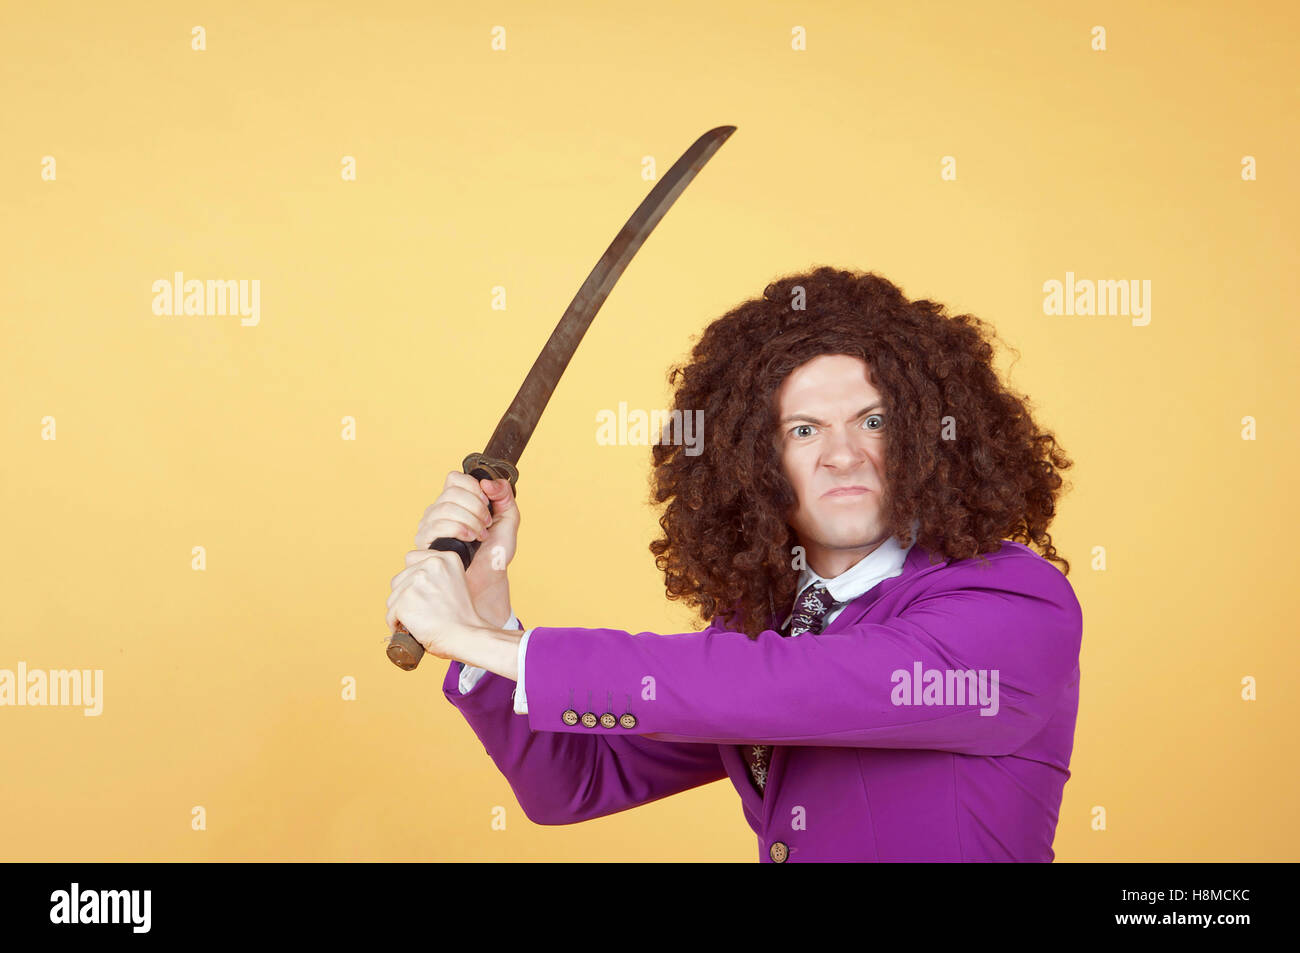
point(831, 438)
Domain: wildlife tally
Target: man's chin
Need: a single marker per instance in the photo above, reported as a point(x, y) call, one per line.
point(852, 540)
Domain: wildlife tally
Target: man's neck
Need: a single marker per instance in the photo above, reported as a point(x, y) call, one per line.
point(829, 563)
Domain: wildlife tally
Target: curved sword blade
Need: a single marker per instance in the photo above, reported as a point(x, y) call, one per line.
point(520, 419)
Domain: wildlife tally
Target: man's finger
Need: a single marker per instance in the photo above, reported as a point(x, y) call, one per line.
point(415, 557)
point(392, 621)
point(391, 617)
point(457, 478)
point(398, 589)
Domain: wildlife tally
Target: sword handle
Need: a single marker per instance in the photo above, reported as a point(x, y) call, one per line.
point(403, 650)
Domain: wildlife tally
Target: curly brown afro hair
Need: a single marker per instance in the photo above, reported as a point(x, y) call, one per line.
point(726, 541)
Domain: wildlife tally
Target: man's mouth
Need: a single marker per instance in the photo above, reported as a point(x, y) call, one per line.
point(846, 491)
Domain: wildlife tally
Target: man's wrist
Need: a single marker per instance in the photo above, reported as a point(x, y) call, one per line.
point(493, 605)
point(487, 647)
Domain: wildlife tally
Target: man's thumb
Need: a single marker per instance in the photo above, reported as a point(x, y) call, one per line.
point(498, 491)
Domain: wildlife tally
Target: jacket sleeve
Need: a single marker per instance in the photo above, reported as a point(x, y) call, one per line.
point(563, 778)
point(1017, 619)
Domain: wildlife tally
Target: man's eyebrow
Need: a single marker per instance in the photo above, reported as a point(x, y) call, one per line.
point(821, 423)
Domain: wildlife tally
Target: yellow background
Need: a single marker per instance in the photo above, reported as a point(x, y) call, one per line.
point(479, 168)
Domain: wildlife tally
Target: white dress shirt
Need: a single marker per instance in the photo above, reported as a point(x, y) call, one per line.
point(883, 562)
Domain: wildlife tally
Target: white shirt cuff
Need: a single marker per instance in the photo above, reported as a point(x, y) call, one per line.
point(521, 699)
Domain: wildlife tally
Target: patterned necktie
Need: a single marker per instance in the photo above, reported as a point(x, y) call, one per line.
point(811, 609)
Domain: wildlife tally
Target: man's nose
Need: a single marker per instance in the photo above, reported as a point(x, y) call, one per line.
point(844, 448)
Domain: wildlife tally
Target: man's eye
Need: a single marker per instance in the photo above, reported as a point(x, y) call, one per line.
point(878, 417)
point(795, 430)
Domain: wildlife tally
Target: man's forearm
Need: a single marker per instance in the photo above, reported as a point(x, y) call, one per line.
point(493, 649)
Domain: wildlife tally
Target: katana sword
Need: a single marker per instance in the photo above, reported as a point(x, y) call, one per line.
point(499, 458)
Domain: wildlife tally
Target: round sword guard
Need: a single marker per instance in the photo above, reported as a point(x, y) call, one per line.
point(491, 468)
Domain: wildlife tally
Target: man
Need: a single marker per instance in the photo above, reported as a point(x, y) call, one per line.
point(863, 469)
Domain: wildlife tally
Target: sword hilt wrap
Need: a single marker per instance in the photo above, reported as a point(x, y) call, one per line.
point(403, 650)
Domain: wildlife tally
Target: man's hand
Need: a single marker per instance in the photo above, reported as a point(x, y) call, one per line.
point(461, 512)
point(431, 599)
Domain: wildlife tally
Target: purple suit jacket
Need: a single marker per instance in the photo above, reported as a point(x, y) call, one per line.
point(855, 774)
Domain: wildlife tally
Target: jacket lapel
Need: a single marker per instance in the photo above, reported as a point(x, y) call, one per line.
point(917, 560)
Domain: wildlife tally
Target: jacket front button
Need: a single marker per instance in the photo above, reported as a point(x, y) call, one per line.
point(570, 717)
point(628, 720)
point(608, 720)
point(778, 852)
point(589, 719)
